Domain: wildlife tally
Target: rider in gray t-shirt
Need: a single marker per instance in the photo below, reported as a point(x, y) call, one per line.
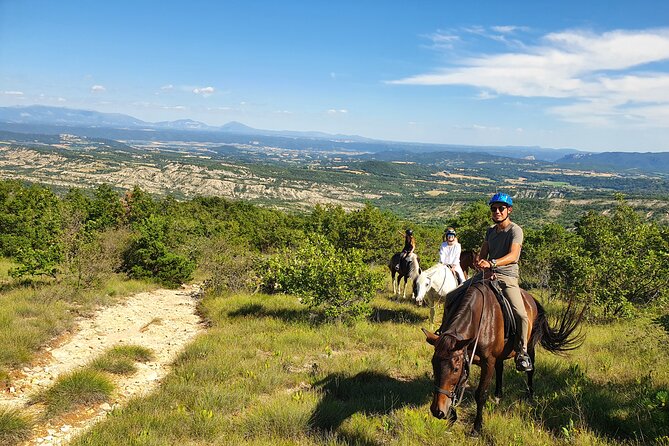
point(500, 251)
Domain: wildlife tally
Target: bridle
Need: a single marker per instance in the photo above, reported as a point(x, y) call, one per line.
point(456, 393)
point(458, 390)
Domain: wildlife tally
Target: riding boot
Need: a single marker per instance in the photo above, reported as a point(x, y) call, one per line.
point(523, 362)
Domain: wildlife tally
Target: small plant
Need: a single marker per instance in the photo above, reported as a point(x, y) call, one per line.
point(14, 427)
point(82, 387)
point(120, 359)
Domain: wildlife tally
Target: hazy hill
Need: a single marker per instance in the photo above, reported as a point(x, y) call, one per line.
point(619, 161)
point(53, 120)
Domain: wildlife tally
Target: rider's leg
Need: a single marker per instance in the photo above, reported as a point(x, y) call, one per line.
point(512, 292)
point(460, 273)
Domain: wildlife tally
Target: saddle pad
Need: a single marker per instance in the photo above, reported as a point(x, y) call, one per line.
point(507, 311)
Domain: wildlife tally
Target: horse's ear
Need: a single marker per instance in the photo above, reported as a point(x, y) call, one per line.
point(460, 342)
point(420, 271)
point(430, 337)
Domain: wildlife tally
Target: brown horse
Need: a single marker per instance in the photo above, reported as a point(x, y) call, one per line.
point(468, 260)
point(475, 329)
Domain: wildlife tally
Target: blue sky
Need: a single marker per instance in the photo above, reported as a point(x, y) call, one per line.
point(588, 75)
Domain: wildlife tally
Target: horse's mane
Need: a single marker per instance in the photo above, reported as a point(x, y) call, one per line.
point(459, 307)
point(432, 269)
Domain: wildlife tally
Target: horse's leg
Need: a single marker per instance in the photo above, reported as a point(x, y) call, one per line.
point(399, 279)
point(530, 375)
point(432, 305)
point(481, 394)
point(392, 278)
point(404, 290)
point(499, 374)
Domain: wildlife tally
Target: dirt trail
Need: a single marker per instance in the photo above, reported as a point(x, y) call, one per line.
point(162, 320)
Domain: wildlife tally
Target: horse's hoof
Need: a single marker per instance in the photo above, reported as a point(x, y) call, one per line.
point(474, 433)
point(497, 399)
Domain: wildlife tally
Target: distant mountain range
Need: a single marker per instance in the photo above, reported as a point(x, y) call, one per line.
point(39, 119)
point(60, 116)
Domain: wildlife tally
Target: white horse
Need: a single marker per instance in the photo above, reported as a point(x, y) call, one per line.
point(432, 286)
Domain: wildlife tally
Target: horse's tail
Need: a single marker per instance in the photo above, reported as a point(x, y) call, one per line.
point(565, 336)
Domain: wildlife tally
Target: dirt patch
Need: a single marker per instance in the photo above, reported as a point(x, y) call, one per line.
point(162, 320)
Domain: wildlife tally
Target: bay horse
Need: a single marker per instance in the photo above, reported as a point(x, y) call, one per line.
point(408, 268)
point(474, 328)
point(468, 260)
point(432, 286)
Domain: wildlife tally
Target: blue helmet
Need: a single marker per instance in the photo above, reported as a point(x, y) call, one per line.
point(501, 197)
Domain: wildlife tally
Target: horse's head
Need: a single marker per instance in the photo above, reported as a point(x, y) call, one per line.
point(420, 287)
point(448, 364)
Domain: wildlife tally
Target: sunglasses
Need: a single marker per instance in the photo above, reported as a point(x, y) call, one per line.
point(497, 208)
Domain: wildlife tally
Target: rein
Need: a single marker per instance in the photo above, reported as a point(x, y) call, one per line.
point(459, 389)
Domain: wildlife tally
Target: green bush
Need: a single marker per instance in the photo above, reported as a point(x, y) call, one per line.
point(150, 256)
point(337, 281)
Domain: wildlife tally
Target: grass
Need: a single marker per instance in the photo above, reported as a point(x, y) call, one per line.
point(14, 427)
point(120, 360)
point(81, 387)
point(266, 373)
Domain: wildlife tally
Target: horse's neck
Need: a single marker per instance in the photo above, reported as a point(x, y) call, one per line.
point(465, 319)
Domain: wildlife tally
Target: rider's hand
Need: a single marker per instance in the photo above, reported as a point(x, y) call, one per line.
point(483, 264)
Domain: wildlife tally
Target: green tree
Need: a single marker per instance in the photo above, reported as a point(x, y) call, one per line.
point(471, 224)
point(106, 209)
point(30, 229)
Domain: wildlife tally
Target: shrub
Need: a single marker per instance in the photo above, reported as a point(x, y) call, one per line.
point(336, 280)
point(150, 257)
point(229, 265)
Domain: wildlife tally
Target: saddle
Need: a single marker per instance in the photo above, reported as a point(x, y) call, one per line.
point(454, 297)
point(510, 327)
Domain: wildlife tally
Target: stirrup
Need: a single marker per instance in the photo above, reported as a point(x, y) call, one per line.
point(523, 362)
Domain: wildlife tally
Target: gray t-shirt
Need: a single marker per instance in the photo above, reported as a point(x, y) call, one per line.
point(499, 245)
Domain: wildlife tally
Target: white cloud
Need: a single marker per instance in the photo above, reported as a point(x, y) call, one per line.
point(167, 87)
point(174, 107)
point(204, 91)
point(507, 29)
point(603, 78)
point(333, 111)
point(13, 93)
point(98, 89)
point(283, 112)
point(443, 39)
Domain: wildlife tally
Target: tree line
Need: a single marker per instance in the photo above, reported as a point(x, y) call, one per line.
point(331, 258)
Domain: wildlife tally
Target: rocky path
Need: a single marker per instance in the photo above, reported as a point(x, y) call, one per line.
point(162, 320)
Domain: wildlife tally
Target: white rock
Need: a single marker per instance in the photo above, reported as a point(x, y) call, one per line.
point(106, 407)
point(66, 428)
